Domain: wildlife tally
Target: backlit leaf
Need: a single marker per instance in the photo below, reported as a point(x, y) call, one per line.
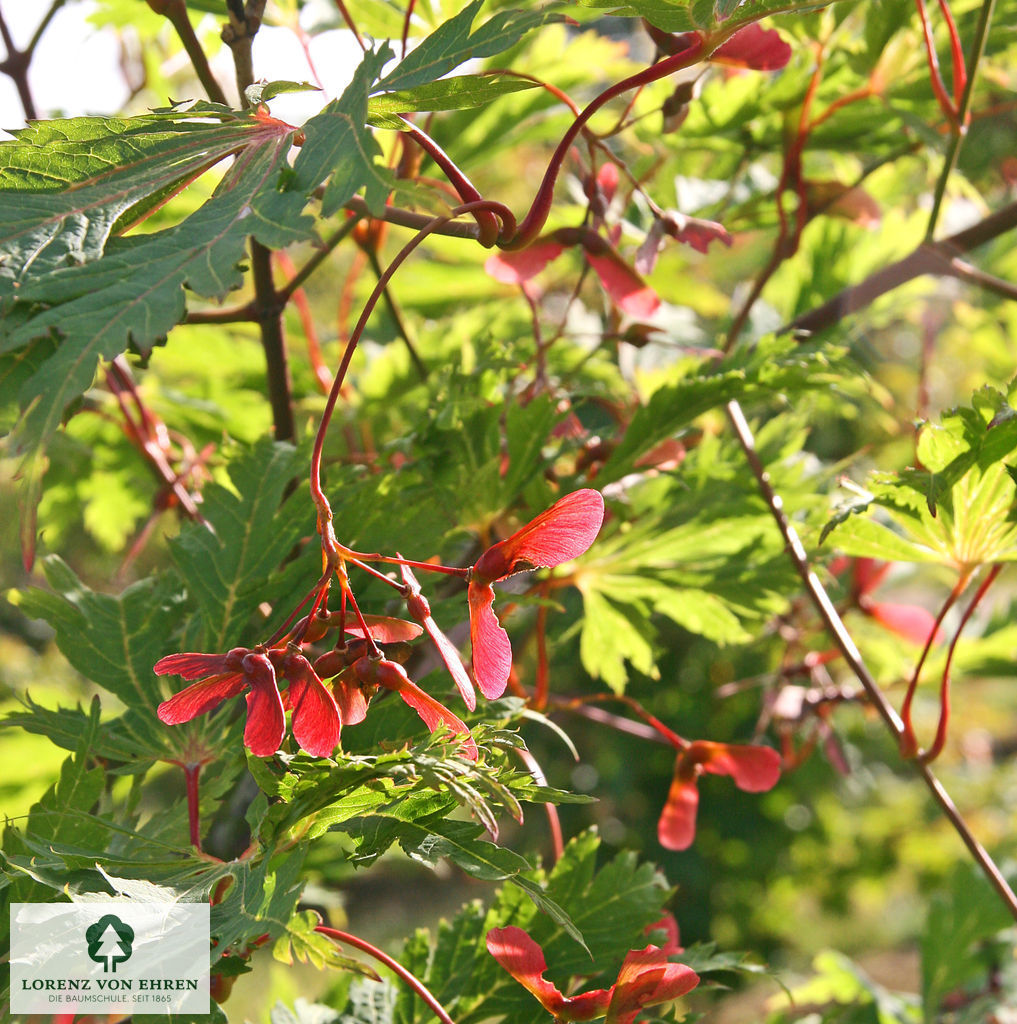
point(457, 93)
point(456, 41)
point(134, 292)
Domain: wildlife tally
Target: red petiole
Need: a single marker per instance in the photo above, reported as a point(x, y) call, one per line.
point(944, 690)
point(908, 740)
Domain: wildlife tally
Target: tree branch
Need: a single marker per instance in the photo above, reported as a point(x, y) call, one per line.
point(268, 305)
point(416, 221)
point(15, 65)
point(316, 260)
point(842, 638)
point(239, 35)
point(175, 12)
point(937, 258)
point(268, 312)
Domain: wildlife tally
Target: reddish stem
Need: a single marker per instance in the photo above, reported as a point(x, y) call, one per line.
point(617, 722)
point(324, 511)
point(535, 220)
point(377, 575)
point(487, 221)
point(406, 26)
point(350, 24)
point(348, 593)
point(150, 436)
point(864, 93)
point(908, 740)
point(393, 965)
point(946, 104)
point(191, 773)
point(315, 592)
point(299, 296)
point(305, 44)
point(944, 690)
point(559, 94)
point(960, 71)
point(669, 735)
point(446, 570)
point(791, 173)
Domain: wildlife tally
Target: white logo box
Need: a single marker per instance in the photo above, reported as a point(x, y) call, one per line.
point(118, 956)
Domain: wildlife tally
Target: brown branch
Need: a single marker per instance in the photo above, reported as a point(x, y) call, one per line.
point(938, 258)
point(175, 12)
point(42, 26)
point(323, 252)
point(972, 275)
point(268, 305)
point(237, 315)
point(239, 35)
point(842, 638)
point(268, 312)
point(416, 221)
point(15, 64)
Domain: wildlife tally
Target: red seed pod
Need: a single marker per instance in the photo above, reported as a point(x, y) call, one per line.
point(235, 657)
point(356, 648)
point(417, 606)
point(314, 630)
point(380, 672)
point(220, 987)
point(330, 664)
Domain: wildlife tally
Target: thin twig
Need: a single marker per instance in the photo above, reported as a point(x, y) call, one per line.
point(175, 12)
point(42, 26)
point(322, 375)
point(944, 687)
point(237, 315)
point(553, 820)
point(393, 965)
point(532, 224)
point(402, 328)
point(191, 773)
point(617, 722)
point(662, 731)
point(315, 261)
point(329, 543)
point(15, 64)
point(928, 258)
point(842, 638)
point(972, 275)
point(412, 219)
point(267, 307)
point(269, 312)
point(239, 35)
point(977, 49)
point(910, 742)
point(407, 21)
point(350, 24)
point(488, 223)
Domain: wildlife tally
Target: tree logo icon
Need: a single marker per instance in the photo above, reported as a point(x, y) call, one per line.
point(109, 942)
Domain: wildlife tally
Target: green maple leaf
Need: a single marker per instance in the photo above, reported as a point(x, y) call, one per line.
point(121, 291)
